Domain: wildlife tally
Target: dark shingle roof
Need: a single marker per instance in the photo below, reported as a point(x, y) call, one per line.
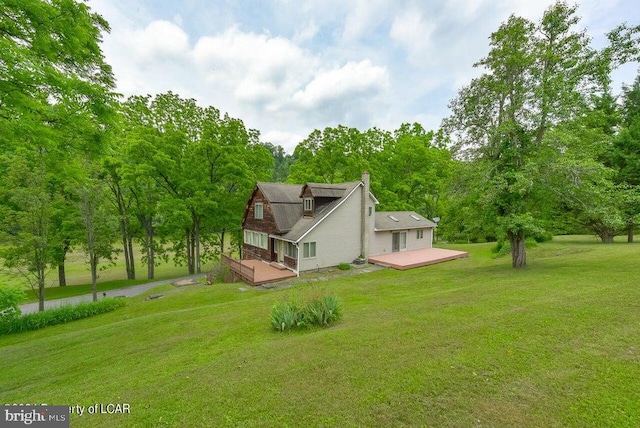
point(323, 190)
point(280, 192)
point(394, 220)
point(285, 203)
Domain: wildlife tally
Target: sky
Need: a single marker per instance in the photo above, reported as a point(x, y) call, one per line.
point(288, 67)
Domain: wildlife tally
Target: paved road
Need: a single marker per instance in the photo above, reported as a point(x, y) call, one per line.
point(131, 291)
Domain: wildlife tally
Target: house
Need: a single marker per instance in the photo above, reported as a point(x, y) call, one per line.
point(317, 225)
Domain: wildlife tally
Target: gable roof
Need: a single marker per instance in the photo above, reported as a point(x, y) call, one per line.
point(285, 203)
point(305, 225)
point(401, 220)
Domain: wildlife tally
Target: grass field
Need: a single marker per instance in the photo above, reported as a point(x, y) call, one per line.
point(110, 276)
point(464, 343)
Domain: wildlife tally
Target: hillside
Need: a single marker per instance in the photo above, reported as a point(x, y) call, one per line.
point(471, 342)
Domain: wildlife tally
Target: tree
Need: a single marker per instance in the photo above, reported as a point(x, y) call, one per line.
point(282, 162)
point(203, 166)
point(98, 222)
point(536, 77)
point(411, 173)
point(624, 157)
point(55, 106)
point(335, 155)
point(27, 211)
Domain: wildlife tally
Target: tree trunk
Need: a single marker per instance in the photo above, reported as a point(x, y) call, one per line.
point(518, 250)
point(196, 239)
point(41, 283)
point(62, 276)
point(630, 229)
point(151, 262)
point(190, 264)
point(132, 263)
point(93, 261)
point(222, 241)
point(606, 235)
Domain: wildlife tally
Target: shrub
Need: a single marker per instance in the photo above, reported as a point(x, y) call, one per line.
point(10, 298)
point(59, 315)
point(217, 273)
point(318, 311)
point(501, 249)
point(286, 316)
point(543, 237)
point(344, 266)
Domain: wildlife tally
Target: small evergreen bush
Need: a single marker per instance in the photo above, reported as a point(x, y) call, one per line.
point(344, 266)
point(59, 315)
point(317, 311)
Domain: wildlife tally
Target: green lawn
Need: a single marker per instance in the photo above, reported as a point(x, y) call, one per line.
point(464, 343)
point(79, 277)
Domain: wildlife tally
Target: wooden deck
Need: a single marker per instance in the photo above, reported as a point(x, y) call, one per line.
point(257, 272)
point(416, 258)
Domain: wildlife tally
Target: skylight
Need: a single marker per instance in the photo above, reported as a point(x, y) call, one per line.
point(415, 217)
point(393, 218)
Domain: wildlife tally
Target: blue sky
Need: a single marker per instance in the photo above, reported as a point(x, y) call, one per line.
point(287, 67)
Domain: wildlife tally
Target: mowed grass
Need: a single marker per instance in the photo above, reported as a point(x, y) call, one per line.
point(465, 343)
point(110, 276)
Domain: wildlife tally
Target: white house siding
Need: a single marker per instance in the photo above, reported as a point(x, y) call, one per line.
point(382, 241)
point(337, 237)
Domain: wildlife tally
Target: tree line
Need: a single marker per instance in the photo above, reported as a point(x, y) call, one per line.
point(537, 145)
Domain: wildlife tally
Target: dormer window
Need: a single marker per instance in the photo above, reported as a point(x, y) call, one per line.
point(258, 211)
point(308, 204)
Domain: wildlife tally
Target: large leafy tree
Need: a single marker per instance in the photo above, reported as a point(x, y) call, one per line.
point(536, 76)
point(411, 172)
point(55, 105)
point(189, 171)
point(336, 155)
point(624, 158)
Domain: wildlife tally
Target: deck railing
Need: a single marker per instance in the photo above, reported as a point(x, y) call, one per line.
point(245, 272)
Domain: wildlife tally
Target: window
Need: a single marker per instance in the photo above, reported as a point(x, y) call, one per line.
point(419, 234)
point(308, 204)
point(258, 211)
point(370, 211)
point(256, 239)
point(290, 250)
point(308, 250)
point(393, 218)
point(415, 217)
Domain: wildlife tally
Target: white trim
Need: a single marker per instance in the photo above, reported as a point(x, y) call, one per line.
point(255, 212)
point(315, 250)
point(329, 213)
point(307, 201)
point(375, 201)
point(403, 228)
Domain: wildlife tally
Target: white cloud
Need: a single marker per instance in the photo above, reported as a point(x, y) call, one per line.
point(354, 79)
point(363, 18)
point(159, 39)
point(287, 140)
point(287, 68)
point(412, 32)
